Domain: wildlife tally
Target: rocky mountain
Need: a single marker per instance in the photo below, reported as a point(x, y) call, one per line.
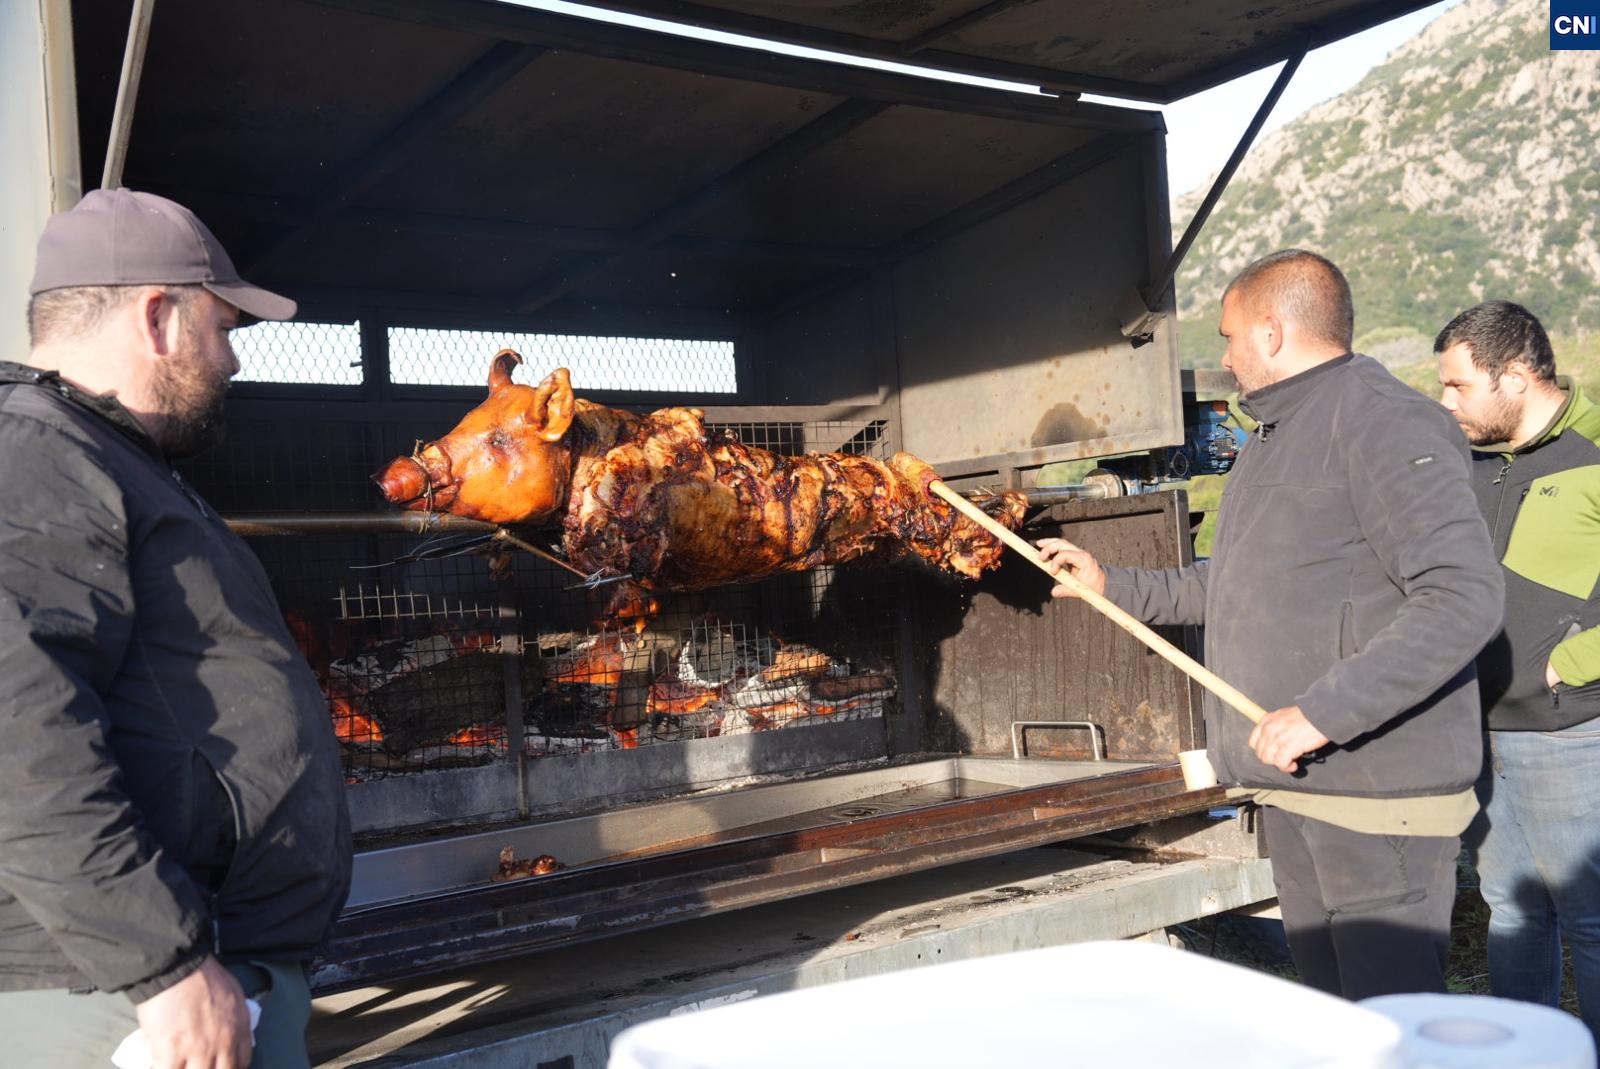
point(1464, 167)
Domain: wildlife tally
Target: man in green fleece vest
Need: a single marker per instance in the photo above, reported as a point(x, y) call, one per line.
point(1536, 472)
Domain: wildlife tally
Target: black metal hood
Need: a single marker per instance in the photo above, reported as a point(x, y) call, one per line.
point(477, 156)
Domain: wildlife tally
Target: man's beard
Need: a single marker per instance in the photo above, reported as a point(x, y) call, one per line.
point(189, 401)
point(1496, 425)
point(1249, 384)
point(1250, 375)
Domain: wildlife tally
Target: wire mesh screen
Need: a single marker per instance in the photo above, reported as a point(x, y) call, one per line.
point(441, 653)
point(816, 647)
point(426, 357)
point(410, 653)
point(289, 465)
point(419, 681)
point(866, 438)
point(327, 354)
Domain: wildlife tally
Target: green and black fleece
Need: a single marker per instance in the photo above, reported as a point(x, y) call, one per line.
point(1542, 504)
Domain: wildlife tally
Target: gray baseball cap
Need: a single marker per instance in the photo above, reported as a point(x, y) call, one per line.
point(117, 237)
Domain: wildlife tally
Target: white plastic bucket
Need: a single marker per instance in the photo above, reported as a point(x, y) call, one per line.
point(1112, 1005)
point(1479, 1032)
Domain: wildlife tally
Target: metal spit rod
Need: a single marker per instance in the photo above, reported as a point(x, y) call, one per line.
point(260, 524)
point(266, 524)
point(1043, 496)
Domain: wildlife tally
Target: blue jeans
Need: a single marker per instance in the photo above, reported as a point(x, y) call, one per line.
point(1537, 841)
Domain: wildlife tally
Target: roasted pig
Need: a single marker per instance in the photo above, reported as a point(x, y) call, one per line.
point(658, 498)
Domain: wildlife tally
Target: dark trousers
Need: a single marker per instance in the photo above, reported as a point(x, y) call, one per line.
point(1364, 914)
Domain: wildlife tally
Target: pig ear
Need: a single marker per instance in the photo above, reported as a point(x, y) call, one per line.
point(551, 412)
point(500, 369)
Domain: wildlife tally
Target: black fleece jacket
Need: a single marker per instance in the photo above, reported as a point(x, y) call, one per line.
point(169, 785)
point(1351, 575)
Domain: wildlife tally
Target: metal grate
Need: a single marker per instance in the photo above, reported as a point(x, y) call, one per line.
point(289, 465)
point(425, 357)
point(421, 689)
point(866, 438)
point(327, 354)
point(376, 603)
point(412, 652)
point(810, 648)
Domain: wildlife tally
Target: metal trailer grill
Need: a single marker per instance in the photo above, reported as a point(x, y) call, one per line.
point(819, 257)
point(683, 755)
point(822, 255)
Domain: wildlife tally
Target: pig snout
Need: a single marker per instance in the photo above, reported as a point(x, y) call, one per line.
point(402, 480)
point(412, 481)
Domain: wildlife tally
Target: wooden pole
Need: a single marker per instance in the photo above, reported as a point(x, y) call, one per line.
point(1196, 671)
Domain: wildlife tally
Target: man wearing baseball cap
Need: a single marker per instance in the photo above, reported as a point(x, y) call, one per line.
point(173, 832)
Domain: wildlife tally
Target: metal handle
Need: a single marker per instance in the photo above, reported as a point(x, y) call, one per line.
point(1017, 727)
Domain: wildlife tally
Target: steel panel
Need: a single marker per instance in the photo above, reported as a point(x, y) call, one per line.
point(1007, 652)
point(1009, 344)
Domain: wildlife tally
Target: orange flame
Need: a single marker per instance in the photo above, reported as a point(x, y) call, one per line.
point(478, 735)
point(766, 716)
point(350, 724)
point(600, 664)
point(674, 698)
point(628, 601)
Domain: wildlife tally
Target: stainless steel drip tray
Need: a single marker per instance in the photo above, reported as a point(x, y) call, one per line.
point(433, 906)
point(401, 873)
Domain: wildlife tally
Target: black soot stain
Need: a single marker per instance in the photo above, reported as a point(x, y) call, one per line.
point(1065, 423)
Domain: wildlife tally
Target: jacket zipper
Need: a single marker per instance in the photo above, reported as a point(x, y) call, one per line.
point(194, 498)
point(1555, 691)
point(1500, 499)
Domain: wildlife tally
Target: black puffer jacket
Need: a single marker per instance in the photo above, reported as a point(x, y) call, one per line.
point(169, 783)
point(1351, 575)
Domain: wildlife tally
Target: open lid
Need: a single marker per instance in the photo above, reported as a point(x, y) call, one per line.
point(1153, 50)
point(490, 156)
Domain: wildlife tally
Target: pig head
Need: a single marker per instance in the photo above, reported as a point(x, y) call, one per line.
point(510, 460)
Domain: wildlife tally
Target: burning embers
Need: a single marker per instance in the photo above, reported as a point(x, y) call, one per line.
point(434, 701)
point(440, 700)
point(627, 690)
point(801, 681)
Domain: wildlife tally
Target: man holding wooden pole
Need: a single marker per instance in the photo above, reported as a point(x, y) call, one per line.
point(1352, 583)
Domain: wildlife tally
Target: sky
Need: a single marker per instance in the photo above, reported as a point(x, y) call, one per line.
point(1201, 130)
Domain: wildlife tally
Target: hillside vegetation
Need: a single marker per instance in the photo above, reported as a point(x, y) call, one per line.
point(1461, 168)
